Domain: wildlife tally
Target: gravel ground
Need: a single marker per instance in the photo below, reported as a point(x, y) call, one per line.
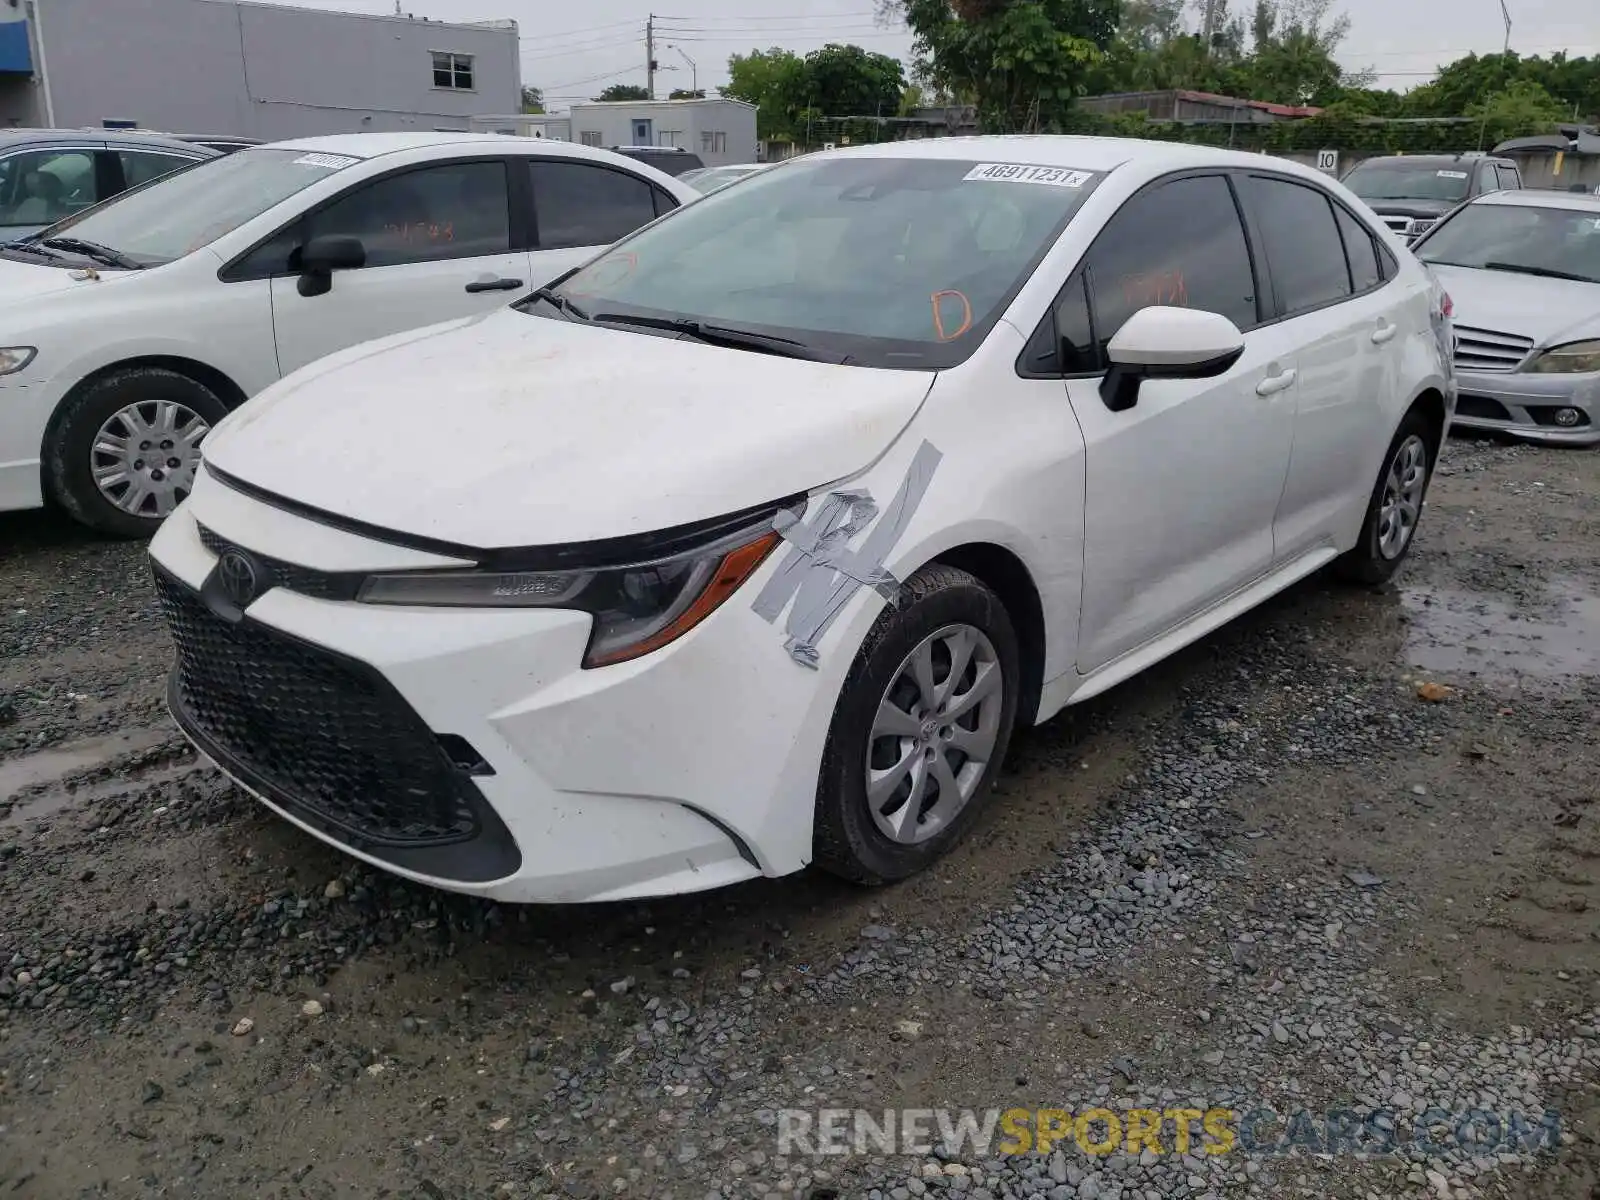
point(1339, 856)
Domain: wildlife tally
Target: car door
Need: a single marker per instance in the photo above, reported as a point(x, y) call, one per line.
point(1329, 296)
point(438, 241)
point(582, 207)
point(1181, 489)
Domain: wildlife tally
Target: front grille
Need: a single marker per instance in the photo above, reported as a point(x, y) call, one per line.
point(1483, 407)
point(274, 572)
point(1489, 350)
point(323, 735)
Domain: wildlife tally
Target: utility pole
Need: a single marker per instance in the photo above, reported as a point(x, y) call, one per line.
point(1208, 30)
point(650, 55)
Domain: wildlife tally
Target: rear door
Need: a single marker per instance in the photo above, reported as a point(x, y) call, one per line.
point(1330, 299)
point(439, 241)
point(580, 207)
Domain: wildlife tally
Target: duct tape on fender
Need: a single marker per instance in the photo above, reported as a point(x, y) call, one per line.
point(822, 573)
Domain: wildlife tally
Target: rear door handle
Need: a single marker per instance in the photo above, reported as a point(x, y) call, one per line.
point(494, 285)
point(1384, 333)
point(1273, 384)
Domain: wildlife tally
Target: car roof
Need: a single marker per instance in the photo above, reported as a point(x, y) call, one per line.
point(1534, 198)
point(1078, 153)
point(374, 145)
point(61, 137)
point(1414, 160)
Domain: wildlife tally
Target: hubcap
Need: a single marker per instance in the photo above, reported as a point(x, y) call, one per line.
point(934, 733)
point(145, 456)
point(1402, 497)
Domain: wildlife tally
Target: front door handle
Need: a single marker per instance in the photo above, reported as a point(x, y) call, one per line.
point(1273, 384)
point(1384, 333)
point(494, 285)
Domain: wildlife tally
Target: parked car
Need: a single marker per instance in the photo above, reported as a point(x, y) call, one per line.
point(1412, 191)
point(1524, 271)
point(137, 325)
point(674, 160)
point(590, 598)
point(223, 144)
point(708, 179)
point(48, 174)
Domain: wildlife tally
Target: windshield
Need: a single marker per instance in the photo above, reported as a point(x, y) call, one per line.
point(888, 262)
point(177, 215)
point(1384, 182)
point(709, 179)
point(1558, 242)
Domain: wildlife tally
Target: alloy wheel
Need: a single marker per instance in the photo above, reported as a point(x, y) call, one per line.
point(1401, 506)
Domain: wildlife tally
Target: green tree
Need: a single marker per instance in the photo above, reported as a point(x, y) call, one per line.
point(774, 81)
point(687, 94)
point(1022, 61)
point(623, 91)
point(1521, 104)
point(532, 100)
point(847, 81)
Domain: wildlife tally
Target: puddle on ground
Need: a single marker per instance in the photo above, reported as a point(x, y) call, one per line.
point(1455, 632)
point(52, 766)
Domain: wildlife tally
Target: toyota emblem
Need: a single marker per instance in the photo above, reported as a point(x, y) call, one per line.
point(237, 575)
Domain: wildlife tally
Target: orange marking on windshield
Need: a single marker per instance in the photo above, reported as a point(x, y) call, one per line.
point(938, 315)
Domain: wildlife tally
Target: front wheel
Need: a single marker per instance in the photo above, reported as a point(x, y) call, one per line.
point(920, 729)
point(123, 450)
point(1395, 508)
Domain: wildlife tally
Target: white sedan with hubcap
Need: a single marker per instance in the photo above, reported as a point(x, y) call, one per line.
point(747, 544)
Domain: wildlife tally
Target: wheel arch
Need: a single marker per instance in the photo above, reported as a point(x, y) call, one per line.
point(1008, 577)
point(1430, 403)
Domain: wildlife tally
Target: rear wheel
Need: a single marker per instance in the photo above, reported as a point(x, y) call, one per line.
point(920, 729)
point(123, 450)
point(1395, 508)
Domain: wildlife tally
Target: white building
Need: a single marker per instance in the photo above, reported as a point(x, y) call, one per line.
point(720, 131)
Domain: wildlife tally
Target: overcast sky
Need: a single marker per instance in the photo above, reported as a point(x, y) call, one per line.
point(574, 50)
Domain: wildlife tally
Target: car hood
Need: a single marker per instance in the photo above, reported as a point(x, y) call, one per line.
point(1411, 208)
point(1550, 311)
point(514, 429)
point(26, 281)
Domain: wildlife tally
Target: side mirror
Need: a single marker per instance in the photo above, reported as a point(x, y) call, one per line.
point(1167, 343)
point(322, 256)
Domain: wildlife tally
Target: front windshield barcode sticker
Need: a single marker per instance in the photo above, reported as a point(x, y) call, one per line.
point(1022, 173)
point(1452, 174)
point(333, 162)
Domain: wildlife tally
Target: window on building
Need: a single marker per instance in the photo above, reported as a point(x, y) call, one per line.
point(454, 210)
point(582, 205)
point(452, 71)
point(590, 137)
point(40, 187)
point(713, 141)
point(668, 137)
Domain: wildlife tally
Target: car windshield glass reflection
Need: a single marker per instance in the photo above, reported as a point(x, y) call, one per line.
point(1409, 183)
point(886, 262)
point(1560, 243)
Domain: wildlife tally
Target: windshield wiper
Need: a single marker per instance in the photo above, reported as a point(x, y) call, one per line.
point(1542, 272)
point(722, 335)
point(94, 250)
point(21, 247)
point(554, 298)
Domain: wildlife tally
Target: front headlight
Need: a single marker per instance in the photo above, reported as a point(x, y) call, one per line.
point(1572, 359)
point(637, 608)
point(14, 358)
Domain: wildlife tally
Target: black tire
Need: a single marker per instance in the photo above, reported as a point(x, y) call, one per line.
point(1366, 563)
point(846, 840)
point(70, 440)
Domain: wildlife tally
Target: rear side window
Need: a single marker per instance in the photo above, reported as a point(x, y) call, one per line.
point(1361, 249)
point(1302, 241)
point(141, 166)
point(1508, 178)
point(1179, 243)
point(577, 204)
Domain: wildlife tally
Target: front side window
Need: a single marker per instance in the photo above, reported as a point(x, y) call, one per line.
point(452, 71)
point(180, 213)
point(1380, 179)
point(889, 262)
point(578, 204)
point(1179, 243)
point(1559, 243)
point(40, 187)
point(1302, 242)
point(453, 210)
point(141, 166)
point(1508, 178)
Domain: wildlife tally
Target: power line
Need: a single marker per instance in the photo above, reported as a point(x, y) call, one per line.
point(588, 48)
point(584, 32)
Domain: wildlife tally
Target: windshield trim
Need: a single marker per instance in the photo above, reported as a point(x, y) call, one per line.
point(860, 351)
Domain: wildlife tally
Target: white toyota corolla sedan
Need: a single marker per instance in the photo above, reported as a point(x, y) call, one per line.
point(747, 544)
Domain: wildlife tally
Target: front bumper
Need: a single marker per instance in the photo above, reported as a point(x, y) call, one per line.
point(1524, 405)
point(690, 768)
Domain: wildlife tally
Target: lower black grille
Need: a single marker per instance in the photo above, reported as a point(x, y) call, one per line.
point(326, 737)
point(1483, 407)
